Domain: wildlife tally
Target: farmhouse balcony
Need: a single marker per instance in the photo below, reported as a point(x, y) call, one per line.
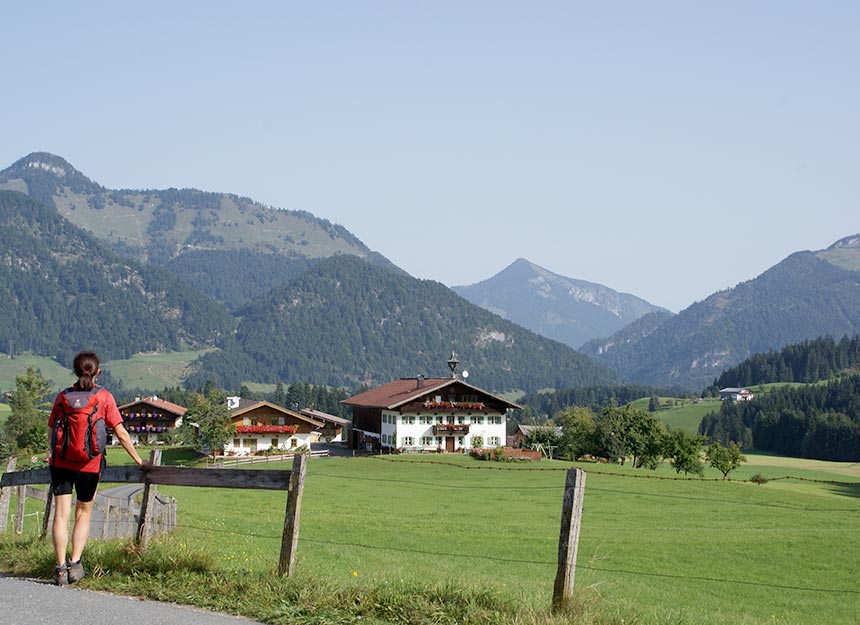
point(451, 407)
point(451, 428)
point(266, 429)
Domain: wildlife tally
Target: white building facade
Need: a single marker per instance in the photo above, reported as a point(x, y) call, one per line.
point(428, 415)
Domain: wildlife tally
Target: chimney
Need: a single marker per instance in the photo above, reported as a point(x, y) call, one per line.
point(420, 381)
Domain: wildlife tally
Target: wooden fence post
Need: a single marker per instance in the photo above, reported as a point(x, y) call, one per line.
point(6, 496)
point(148, 495)
point(568, 541)
point(105, 517)
point(290, 538)
point(19, 515)
point(49, 501)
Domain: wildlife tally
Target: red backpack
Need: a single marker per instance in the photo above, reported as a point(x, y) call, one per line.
point(79, 433)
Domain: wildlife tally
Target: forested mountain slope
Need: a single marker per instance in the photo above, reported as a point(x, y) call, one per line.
point(197, 233)
point(803, 297)
point(564, 309)
point(345, 322)
point(813, 421)
point(809, 361)
point(62, 291)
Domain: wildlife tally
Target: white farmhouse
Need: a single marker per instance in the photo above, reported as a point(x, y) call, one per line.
point(427, 414)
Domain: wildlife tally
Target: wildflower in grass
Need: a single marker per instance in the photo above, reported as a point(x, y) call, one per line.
point(355, 573)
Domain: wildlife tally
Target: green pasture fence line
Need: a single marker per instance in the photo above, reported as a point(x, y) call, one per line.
point(612, 473)
point(269, 479)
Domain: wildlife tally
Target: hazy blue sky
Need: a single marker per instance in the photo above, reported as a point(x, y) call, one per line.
point(665, 149)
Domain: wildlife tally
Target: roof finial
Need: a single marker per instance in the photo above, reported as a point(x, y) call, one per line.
point(452, 364)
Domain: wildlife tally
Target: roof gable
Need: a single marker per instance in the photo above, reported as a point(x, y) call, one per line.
point(153, 401)
point(250, 405)
point(405, 390)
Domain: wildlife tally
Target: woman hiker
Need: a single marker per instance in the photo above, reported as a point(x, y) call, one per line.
point(78, 423)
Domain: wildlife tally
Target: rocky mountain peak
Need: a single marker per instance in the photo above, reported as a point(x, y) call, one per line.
point(852, 241)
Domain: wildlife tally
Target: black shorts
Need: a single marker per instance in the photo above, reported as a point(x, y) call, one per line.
point(85, 484)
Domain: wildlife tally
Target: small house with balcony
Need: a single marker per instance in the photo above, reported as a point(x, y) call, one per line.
point(149, 420)
point(427, 415)
point(265, 427)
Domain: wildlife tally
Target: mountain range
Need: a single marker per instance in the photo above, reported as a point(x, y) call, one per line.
point(286, 296)
point(289, 297)
point(807, 295)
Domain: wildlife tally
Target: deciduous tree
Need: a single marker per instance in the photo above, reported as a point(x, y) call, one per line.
point(724, 459)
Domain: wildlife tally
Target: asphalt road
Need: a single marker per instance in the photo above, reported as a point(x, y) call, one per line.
point(29, 602)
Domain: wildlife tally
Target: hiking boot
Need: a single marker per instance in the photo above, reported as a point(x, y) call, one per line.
point(76, 572)
point(61, 575)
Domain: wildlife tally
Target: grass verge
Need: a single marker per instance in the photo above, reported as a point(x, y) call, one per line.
point(170, 572)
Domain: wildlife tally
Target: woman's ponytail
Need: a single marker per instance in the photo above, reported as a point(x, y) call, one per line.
point(86, 367)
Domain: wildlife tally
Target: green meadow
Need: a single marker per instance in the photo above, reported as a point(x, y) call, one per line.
point(152, 372)
point(654, 548)
point(684, 414)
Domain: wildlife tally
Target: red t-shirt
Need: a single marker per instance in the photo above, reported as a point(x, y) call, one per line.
point(112, 417)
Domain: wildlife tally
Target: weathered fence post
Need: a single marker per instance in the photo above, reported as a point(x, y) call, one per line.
point(49, 501)
point(290, 538)
point(571, 516)
point(19, 513)
point(105, 517)
point(6, 496)
point(148, 495)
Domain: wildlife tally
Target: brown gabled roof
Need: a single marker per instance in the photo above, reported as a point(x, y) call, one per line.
point(246, 405)
point(156, 402)
point(394, 394)
point(323, 416)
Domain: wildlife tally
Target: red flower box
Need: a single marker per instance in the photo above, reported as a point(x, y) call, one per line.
point(266, 429)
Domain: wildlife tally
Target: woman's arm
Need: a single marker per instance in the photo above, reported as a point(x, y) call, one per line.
point(125, 440)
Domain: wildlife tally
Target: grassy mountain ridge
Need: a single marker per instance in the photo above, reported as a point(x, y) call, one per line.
point(345, 322)
point(231, 248)
point(564, 309)
point(158, 225)
point(62, 291)
point(802, 297)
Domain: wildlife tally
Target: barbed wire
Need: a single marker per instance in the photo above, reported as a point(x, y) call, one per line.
point(590, 488)
point(614, 474)
point(585, 567)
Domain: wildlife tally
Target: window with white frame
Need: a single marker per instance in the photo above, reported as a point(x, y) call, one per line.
point(494, 419)
point(426, 440)
point(425, 420)
point(461, 440)
point(408, 441)
point(461, 420)
point(477, 419)
point(494, 441)
point(407, 420)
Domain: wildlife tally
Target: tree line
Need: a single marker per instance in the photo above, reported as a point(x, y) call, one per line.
point(808, 361)
point(628, 434)
point(820, 421)
point(538, 406)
